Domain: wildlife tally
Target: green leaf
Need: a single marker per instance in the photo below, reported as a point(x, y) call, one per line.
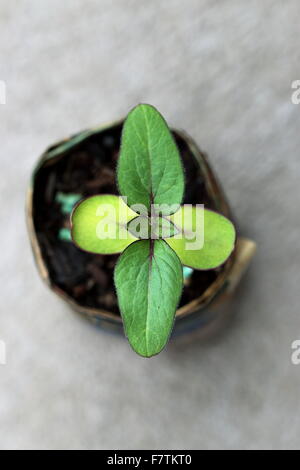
point(207, 239)
point(144, 227)
point(148, 278)
point(163, 228)
point(140, 227)
point(149, 169)
point(99, 224)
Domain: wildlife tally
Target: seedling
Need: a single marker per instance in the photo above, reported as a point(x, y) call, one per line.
point(155, 235)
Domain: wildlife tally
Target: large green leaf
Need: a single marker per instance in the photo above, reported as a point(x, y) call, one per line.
point(151, 227)
point(149, 169)
point(99, 224)
point(206, 240)
point(148, 278)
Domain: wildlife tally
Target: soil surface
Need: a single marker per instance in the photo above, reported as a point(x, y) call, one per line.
point(86, 170)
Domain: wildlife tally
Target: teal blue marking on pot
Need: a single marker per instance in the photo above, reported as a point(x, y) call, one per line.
point(67, 201)
point(187, 272)
point(64, 234)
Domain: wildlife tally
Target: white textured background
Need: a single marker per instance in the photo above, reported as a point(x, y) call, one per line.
point(222, 71)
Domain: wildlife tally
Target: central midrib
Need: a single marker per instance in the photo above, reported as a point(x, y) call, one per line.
point(149, 158)
point(151, 254)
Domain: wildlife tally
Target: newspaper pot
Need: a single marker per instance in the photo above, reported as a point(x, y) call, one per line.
point(84, 165)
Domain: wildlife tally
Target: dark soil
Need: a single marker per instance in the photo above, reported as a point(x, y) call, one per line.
point(89, 169)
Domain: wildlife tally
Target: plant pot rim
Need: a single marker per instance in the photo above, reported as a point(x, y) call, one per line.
point(230, 270)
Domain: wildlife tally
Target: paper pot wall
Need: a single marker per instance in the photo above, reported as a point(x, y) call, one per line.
point(84, 165)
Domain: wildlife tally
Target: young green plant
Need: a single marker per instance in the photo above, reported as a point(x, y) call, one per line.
point(153, 233)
